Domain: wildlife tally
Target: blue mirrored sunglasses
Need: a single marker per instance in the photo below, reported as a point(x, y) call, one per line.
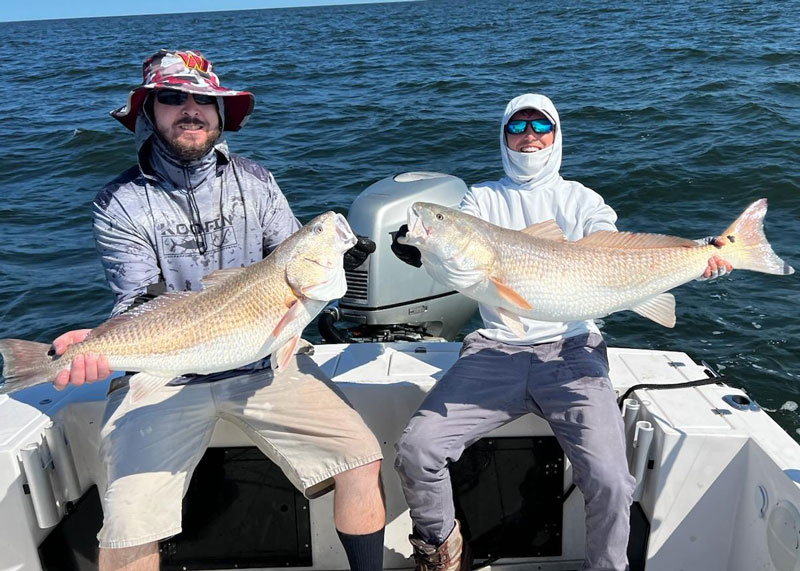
point(172, 97)
point(540, 126)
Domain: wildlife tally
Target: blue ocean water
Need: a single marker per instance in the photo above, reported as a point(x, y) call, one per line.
point(680, 114)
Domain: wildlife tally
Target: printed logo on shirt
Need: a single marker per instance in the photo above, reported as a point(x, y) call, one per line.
point(181, 240)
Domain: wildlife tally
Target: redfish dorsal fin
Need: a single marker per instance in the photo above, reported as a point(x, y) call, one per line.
point(547, 230)
point(160, 302)
point(218, 277)
point(611, 239)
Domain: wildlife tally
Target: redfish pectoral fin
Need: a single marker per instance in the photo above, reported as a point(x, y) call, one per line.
point(511, 321)
point(508, 293)
point(143, 385)
point(660, 308)
point(280, 358)
point(294, 312)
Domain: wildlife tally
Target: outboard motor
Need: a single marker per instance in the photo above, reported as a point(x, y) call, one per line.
point(386, 299)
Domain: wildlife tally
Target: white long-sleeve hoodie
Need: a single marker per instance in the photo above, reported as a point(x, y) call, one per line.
point(533, 191)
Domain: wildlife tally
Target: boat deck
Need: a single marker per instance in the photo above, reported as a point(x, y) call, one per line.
point(719, 480)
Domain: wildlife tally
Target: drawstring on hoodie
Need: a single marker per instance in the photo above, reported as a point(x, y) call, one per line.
point(145, 131)
point(195, 222)
point(241, 196)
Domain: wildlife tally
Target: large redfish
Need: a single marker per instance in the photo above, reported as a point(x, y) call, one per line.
point(242, 315)
point(538, 274)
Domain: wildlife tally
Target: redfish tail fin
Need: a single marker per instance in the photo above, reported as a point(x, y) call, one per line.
point(748, 248)
point(25, 363)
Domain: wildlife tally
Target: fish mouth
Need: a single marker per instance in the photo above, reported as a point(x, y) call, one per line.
point(343, 231)
point(417, 231)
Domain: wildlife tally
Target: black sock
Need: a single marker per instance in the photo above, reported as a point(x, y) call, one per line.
point(364, 552)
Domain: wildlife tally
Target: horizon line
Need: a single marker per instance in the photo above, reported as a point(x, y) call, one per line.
point(287, 5)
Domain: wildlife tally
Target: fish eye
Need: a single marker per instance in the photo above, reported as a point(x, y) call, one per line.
point(439, 216)
point(318, 229)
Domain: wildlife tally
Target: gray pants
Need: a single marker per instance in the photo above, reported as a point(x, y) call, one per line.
point(492, 383)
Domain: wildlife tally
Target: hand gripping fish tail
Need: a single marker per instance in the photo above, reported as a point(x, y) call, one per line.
point(746, 245)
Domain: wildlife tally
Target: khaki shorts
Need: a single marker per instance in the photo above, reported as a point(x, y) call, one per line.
point(299, 419)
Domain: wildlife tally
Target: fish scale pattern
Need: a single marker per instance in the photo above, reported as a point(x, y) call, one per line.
point(565, 282)
point(230, 323)
point(535, 273)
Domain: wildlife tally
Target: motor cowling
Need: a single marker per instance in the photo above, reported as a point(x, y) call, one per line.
point(386, 299)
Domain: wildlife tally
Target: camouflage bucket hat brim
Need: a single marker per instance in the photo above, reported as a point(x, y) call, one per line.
point(190, 72)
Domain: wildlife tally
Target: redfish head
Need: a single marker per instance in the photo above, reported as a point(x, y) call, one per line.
point(316, 266)
point(329, 231)
point(437, 230)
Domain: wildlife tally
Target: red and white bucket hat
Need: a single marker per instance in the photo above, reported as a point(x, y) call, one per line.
point(185, 71)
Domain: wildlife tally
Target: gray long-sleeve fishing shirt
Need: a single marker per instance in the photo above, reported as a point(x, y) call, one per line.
point(163, 220)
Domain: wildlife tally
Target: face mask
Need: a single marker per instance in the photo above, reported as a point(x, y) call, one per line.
point(527, 166)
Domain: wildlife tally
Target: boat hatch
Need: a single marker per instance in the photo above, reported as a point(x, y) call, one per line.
point(240, 512)
point(509, 494)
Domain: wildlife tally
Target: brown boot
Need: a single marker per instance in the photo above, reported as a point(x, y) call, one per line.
point(452, 555)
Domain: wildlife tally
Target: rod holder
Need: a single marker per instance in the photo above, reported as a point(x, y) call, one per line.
point(63, 462)
point(37, 471)
point(630, 412)
point(642, 440)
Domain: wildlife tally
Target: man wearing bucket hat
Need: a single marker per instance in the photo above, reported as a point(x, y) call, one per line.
point(189, 207)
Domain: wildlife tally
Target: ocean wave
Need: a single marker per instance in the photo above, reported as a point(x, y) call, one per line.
point(679, 114)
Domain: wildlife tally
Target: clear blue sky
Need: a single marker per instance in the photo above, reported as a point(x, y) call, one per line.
point(54, 9)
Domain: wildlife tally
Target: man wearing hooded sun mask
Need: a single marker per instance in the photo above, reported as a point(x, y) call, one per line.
point(558, 370)
point(190, 207)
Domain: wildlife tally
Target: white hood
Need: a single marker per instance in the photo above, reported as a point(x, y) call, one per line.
point(534, 191)
point(531, 170)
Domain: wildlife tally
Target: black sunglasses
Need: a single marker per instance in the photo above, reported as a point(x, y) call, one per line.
point(172, 97)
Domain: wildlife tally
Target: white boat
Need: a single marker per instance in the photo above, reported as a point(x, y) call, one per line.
point(717, 478)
